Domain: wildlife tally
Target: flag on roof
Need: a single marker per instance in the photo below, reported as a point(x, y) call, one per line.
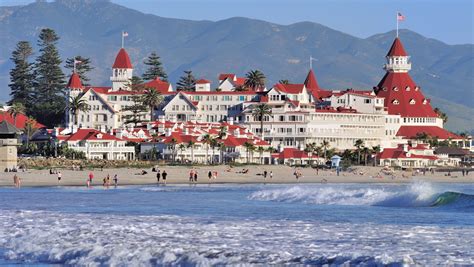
point(400, 17)
point(124, 34)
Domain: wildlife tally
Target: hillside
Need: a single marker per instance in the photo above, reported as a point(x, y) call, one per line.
point(92, 28)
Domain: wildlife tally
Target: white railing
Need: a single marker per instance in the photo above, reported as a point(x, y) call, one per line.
point(103, 149)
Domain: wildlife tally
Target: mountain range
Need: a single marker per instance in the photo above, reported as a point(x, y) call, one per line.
point(92, 28)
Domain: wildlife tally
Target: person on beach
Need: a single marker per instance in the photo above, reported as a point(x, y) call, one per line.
point(59, 176)
point(265, 173)
point(214, 175)
point(91, 176)
point(209, 175)
point(164, 175)
point(271, 175)
point(158, 176)
point(195, 176)
point(15, 180)
point(115, 180)
point(191, 175)
point(107, 180)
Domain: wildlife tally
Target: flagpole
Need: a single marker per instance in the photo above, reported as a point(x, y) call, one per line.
point(396, 17)
point(310, 62)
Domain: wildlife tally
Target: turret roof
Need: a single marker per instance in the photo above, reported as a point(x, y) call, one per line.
point(122, 60)
point(397, 49)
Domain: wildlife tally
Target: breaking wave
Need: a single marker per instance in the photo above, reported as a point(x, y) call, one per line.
point(418, 194)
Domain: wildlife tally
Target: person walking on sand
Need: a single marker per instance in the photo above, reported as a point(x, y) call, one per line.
point(15, 180)
point(59, 176)
point(115, 180)
point(191, 176)
point(271, 175)
point(209, 175)
point(158, 176)
point(214, 175)
point(164, 175)
point(265, 173)
point(195, 177)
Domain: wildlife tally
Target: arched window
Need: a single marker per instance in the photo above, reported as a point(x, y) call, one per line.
point(395, 88)
point(395, 102)
point(425, 101)
point(417, 88)
point(412, 101)
point(407, 88)
point(384, 88)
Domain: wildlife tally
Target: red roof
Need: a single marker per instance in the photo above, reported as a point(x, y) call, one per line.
point(239, 81)
point(293, 153)
point(410, 132)
point(202, 81)
point(403, 96)
point(397, 49)
point(290, 88)
point(21, 120)
point(180, 138)
point(158, 85)
point(122, 60)
point(74, 81)
point(312, 85)
point(91, 135)
point(224, 76)
point(399, 153)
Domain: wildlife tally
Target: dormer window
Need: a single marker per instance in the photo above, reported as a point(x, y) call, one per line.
point(407, 88)
point(395, 88)
point(425, 101)
point(384, 89)
point(395, 102)
point(412, 101)
point(417, 88)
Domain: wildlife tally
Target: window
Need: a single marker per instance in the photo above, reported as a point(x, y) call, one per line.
point(407, 88)
point(367, 101)
point(425, 101)
point(395, 88)
point(395, 102)
point(412, 101)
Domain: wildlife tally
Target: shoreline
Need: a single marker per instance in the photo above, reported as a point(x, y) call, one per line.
point(178, 175)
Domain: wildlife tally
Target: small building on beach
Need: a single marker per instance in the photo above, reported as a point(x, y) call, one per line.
point(8, 146)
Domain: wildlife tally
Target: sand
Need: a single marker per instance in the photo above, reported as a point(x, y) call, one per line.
point(180, 174)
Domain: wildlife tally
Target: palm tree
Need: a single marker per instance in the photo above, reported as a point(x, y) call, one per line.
point(29, 130)
point(182, 147)
point(249, 147)
point(173, 148)
point(76, 104)
point(375, 150)
point(222, 132)
point(213, 144)
point(255, 80)
point(359, 143)
point(222, 148)
point(441, 115)
point(151, 99)
point(191, 145)
point(15, 110)
point(325, 146)
point(206, 139)
point(366, 151)
point(284, 81)
point(259, 112)
point(260, 150)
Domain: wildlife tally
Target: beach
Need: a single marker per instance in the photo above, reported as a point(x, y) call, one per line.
point(225, 174)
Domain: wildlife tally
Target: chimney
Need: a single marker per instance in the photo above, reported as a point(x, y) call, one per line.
point(161, 118)
point(74, 129)
point(149, 126)
point(231, 120)
point(119, 134)
point(102, 129)
point(237, 132)
point(111, 131)
point(56, 131)
point(405, 147)
point(186, 131)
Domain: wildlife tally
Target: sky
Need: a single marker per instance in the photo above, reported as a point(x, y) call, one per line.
point(450, 21)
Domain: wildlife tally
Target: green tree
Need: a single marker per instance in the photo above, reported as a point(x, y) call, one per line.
point(15, 110)
point(21, 76)
point(249, 147)
point(259, 112)
point(206, 140)
point(255, 80)
point(182, 148)
point(441, 115)
point(284, 81)
point(76, 104)
point(152, 98)
point(136, 108)
point(136, 84)
point(365, 151)
point(325, 146)
point(155, 68)
point(186, 82)
point(359, 144)
point(260, 150)
point(29, 130)
point(191, 144)
point(82, 67)
point(49, 85)
point(376, 149)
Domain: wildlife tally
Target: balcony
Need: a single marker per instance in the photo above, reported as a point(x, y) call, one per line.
point(84, 149)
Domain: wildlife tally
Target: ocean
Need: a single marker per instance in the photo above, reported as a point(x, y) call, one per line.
point(297, 224)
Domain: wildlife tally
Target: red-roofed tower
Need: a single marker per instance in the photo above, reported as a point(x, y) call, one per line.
point(122, 71)
point(402, 95)
point(312, 84)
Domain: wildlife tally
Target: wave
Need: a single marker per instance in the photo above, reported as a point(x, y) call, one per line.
point(417, 194)
point(38, 237)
